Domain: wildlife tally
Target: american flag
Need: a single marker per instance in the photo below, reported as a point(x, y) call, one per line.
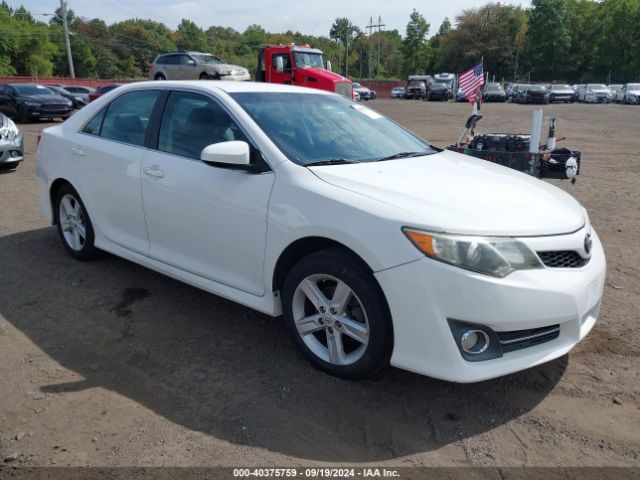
point(472, 81)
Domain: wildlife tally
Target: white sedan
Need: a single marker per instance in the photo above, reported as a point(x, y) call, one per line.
point(377, 247)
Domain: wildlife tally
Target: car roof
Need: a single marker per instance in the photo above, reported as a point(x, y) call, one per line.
point(224, 86)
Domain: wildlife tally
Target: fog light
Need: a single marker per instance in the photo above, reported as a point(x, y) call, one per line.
point(15, 153)
point(474, 342)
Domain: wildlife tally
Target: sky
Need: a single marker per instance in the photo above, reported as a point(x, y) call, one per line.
point(309, 17)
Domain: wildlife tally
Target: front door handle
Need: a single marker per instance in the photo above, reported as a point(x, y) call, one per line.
point(153, 172)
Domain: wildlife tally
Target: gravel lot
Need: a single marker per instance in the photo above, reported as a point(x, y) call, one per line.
point(109, 364)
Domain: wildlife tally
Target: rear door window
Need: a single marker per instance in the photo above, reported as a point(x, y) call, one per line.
point(128, 116)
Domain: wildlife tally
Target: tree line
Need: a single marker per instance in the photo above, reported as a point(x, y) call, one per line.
point(554, 40)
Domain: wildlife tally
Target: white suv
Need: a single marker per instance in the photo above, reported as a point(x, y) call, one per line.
point(195, 66)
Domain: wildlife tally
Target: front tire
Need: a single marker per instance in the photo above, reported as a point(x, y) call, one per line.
point(74, 225)
point(160, 77)
point(337, 315)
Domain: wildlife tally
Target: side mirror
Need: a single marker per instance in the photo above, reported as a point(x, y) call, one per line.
point(329, 66)
point(279, 65)
point(191, 62)
point(226, 153)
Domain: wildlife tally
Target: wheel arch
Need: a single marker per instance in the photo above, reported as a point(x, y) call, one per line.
point(301, 248)
point(55, 187)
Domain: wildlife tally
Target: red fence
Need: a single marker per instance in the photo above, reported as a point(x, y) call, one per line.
point(85, 82)
point(382, 88)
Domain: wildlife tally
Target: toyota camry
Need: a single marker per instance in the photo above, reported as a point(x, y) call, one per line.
point(375, 246)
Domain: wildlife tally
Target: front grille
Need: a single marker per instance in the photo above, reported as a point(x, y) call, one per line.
point(519, 339)
point(562, 259)
point(344, 89)
point(54, 107)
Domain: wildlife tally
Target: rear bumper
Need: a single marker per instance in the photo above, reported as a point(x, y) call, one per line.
point(423, 295)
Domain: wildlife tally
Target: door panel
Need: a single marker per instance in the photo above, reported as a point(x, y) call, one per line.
point(207, 220)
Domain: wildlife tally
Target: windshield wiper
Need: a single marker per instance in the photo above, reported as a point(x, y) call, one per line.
point(333, 161)
point(404, 155)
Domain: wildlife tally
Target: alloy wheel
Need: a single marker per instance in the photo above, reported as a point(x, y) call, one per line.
point(72, 224)
point(330, 319)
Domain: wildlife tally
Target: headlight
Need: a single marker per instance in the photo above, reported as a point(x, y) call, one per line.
point(489, 255)
point(69, 103)
point(8, 129)
point(230, 71)
point(29, 103)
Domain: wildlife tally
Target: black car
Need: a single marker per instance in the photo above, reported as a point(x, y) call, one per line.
point(77, 102)
point(562, 93)
point(439, 91)
point(494, 92)
point(532, 94)
point(27, 101)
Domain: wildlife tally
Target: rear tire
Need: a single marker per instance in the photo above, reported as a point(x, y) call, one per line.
point(337, 315)
point(74, 225)
point(160, 76)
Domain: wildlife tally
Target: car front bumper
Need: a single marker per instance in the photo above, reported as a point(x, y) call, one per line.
point(236, 78)
point(423, 295)
point(11, 151)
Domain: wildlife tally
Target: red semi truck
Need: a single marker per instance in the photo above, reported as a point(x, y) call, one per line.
point(302, 66)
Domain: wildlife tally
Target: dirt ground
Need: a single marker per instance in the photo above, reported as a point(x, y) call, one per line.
point(107, 363)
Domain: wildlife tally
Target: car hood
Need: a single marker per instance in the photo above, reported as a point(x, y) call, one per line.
point(634, 92)
point(44, 98)
point(455, 193)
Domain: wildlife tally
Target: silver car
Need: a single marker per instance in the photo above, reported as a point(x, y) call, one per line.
point(195, 66)
point(79, 91)
point(11, 143)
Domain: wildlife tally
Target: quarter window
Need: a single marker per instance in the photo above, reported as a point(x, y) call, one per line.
point(191, 122)
point(93, 126)
point(127, 117)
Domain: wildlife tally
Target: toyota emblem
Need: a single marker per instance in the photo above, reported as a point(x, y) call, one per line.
point(587, 243)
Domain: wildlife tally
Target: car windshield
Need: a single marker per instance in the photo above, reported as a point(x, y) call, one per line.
point(537, 87)
point(440, 85)
point(633, 86)
point(356, 85)
point(311, 128)
point(32, 90)
point(494, 86)
point(210, 59)
point(308, 60)
point(598, 87)
point(560, 87)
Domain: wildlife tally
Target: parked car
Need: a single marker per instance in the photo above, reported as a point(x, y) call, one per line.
point(596, 93)
point(493, 92)
point(80, 91)
point(27, 101)
point(77, 102)
point(460, 96)
point(418, 86)
point(510, 91)
point(615, 89)
point(447, 282)
point(365, 93)
point(102, 90)
point(439, 91)
point(562, 93)
point(631, 93)
point(195, 66)
point(356, 96)
point(532, 94)
point(11, 143)
point(398, 92)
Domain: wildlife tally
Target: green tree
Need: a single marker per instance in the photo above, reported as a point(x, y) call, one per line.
point(343, 32)
point(549, 39)
point(415, 48)
point(190, 36)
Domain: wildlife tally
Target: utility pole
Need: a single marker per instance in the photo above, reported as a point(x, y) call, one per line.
point(63, 7)
point(370, 28)
point(380, 25)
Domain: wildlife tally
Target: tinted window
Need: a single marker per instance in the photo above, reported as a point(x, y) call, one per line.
point(128, 116)
point(161, 61)
point(172, 60)
point(286, 61)
point(93, 126)
point(191, 122)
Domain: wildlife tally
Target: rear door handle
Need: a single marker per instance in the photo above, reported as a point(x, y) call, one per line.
point(153, 172)
point(77, 151)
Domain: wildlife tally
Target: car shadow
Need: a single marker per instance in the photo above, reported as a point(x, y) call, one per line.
point(216, 367)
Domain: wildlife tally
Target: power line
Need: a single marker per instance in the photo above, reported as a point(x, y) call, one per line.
point(149, 12)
